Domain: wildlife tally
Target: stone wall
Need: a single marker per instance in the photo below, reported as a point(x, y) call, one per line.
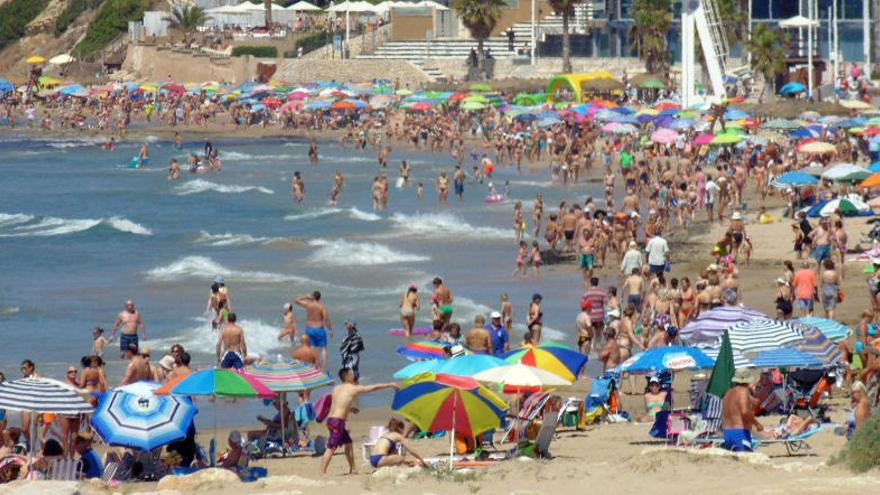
point(148, 63)
point(355, 70)
point(545, 68)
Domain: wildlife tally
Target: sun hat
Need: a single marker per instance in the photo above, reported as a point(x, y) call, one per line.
point(736, 216)
point(614, 313)
point(166, 363)
point(633, 245)
point(654, 379)
point(495, 314)
point(744, 376)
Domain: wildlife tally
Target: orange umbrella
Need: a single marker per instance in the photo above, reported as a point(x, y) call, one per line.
point(872, 181)
point(342, 105)
point(603, 103)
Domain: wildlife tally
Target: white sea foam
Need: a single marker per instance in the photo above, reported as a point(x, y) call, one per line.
point(261, 337)
point(312, 214)
point(9, 310)
point(446, 225)
point(78, 143)
point(203, 267)
point(201, 185)
point(237, 156)
point(229, 239)
point(363, 215)
point(24, 226)
point(344, 253)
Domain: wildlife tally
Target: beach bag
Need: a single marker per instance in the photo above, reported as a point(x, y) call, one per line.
point(839, 296)
point(464, 444)
point(322, 408)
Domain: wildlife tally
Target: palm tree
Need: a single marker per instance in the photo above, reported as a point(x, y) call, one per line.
point(267, 4)
point(186, 18)
point(480, 17)
point(653, 19)
point(768, 56)
point(566, 8)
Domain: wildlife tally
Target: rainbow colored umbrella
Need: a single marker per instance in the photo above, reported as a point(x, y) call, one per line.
point(217, 382)
point(440, 402)
point(556, 359)
point(425, 349)
point(289, 376)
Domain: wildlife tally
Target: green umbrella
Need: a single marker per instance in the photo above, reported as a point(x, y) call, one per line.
point(477, 98)
point(480, 87)
point(473, 105)
point(652, 84)
point(404, 92)
point(723, 139)
point(722, 372)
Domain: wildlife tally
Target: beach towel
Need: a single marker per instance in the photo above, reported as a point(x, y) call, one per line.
point(322, 408)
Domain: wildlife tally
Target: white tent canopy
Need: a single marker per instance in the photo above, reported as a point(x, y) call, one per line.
point(62, 59)
point(798, 21)
point(352, 7)
point(303, 6)
point(275, 7)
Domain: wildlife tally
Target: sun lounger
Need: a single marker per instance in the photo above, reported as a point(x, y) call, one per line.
point(792, 443)
point(64, 470)
point(530, 410)
point(546, 435)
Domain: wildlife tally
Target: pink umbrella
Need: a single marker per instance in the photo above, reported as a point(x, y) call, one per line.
point(297, 95)
point(610, 127)
point(664, 136)
point(291, 106)
point(421, 106)
point(703, 139)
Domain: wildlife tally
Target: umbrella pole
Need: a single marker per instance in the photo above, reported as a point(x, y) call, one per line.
point(452, 433)
point(283, 411)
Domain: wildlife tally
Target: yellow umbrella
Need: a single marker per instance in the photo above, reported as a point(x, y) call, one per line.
point(856, 105)
point(35, 59)
point(818, 148)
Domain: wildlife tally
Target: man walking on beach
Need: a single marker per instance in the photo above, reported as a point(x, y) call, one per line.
point(737, 412)
point(130, 319)
point(657, 249)
point(231, 348)
point(804, 287)
point(318, 324)
point(498, 335)
point(341, 400)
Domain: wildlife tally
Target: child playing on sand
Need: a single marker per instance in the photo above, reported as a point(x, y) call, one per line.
point(747, 248)
point(521, 257)
point(99, 341)
point(535, 259)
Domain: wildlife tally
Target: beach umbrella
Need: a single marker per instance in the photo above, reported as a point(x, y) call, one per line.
point(417, 368)
point(477, 98)
point(713, 351)
point(785, 358)
point(817, 344)
point(720, 381)
point(668, 358)
point(762, 334)
point(48, 81)
point(456, 404)
point(62, 59)
point(425, 349)
point(792, 88)
point(271, 102)
point(846, 172)
point(482, 87)
point(803, 133)
point(297, 95)
point(831, 329)
point(35, 60)
point(470, 365)
point(42, 395)
point(652, 84)
point(289, 376)
point(173, 88)
point(343, 105)
point(735, 114)
point(872, 181)
point(849, 207)
point(521, 379)
point(709, 325)
point(818, 148)
point(679, 124)
point(616, 128)
point(780, 125)
point(319, 105)
point(473, 105)
point(851, 122)
point(856, 105)
point(667, 105)
point(217, 382)
point(703, 139)
point(664, 136)
point(726, 139)
point(74, 90)
point(796, 179)
point(421, 106)
point(554, 358)
point(132, 417)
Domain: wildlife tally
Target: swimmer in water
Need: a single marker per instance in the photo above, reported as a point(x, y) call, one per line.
point(297, 187)
point(173, 170)
point(313, 152)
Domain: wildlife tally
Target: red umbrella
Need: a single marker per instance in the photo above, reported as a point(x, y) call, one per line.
point(667, 106)
point(271, 102)
point(173, 88)
point(458, 96)
point(421, 106)
point(339, 94)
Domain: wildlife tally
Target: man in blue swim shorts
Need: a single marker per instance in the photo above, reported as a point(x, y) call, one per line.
point(318, 325)
point(737, 413)
point(341, 400)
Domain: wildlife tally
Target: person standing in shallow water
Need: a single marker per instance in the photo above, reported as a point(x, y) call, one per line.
point(318, 325)
point(410, 304)
point(313, 152)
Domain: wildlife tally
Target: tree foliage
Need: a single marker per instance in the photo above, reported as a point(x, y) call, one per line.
point(111, 21)
point(73, 10)
point(186, 18)
point(653, 19)
point(480, 17)
point(768, 56)
point(566, 9)
point(862, 452)
point(15, 16)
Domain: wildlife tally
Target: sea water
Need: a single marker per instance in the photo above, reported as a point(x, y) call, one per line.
point(80, 235)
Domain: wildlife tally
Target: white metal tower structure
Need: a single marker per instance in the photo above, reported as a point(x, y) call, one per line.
point(700, 18)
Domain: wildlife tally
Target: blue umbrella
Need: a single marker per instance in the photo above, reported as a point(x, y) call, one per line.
point(875, 167)
point(792, 88)
point(73, 89)
point(133, 417)
point(796, 179)
point(548, 122)
point(319, 105)
point(830, 328)
point(470, 365)
point(669, 358)
point(622, 119)
point(735, 114)
point(803, 134)
point(679, 124)
point(851, 122)
point(785, 357)
point(5, 86)
point(417, 368)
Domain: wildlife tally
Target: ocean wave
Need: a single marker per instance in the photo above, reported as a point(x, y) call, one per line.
point(446, 225)
point(9, 310)
point(200, 185)
point(261, 337)
point(24, 226)
point(344, 253)
point(203, 267)
point(235, 156)
point(363, 215)
point(312, 214)
point(76, 143)
point(229, 239)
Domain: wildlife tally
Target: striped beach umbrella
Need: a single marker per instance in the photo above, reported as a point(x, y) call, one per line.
point(42, 395)
point(425, 349)
point(217, 382)
point(762, 334)
point(833, 330)
point(554, 358)
point(520, 379)
point(133, 417)
point(817, 344)
point(784, 357)
point(709, 326)
point(739, 361)
point(289, 376)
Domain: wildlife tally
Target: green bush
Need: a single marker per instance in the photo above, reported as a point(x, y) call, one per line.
point(256, 51)
point(74, 9)
point(309, 43)
point(112, 20)
point(14, 16)
point(862, 452)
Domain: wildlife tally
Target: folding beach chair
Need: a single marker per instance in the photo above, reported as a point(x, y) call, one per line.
point(572, 414)
point(531, 409)
point(546, 435)
point(602, 399)
point(64, 470)
point(793, 443)
point(806, 388)
point(109, 473)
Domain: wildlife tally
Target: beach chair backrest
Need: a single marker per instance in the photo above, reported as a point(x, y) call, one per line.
point(110, 470)
point(546, 434)
point(64, 470)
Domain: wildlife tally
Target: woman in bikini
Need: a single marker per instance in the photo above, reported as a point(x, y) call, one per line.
point(385, 450)
point(687, 304)
point(409, 306)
